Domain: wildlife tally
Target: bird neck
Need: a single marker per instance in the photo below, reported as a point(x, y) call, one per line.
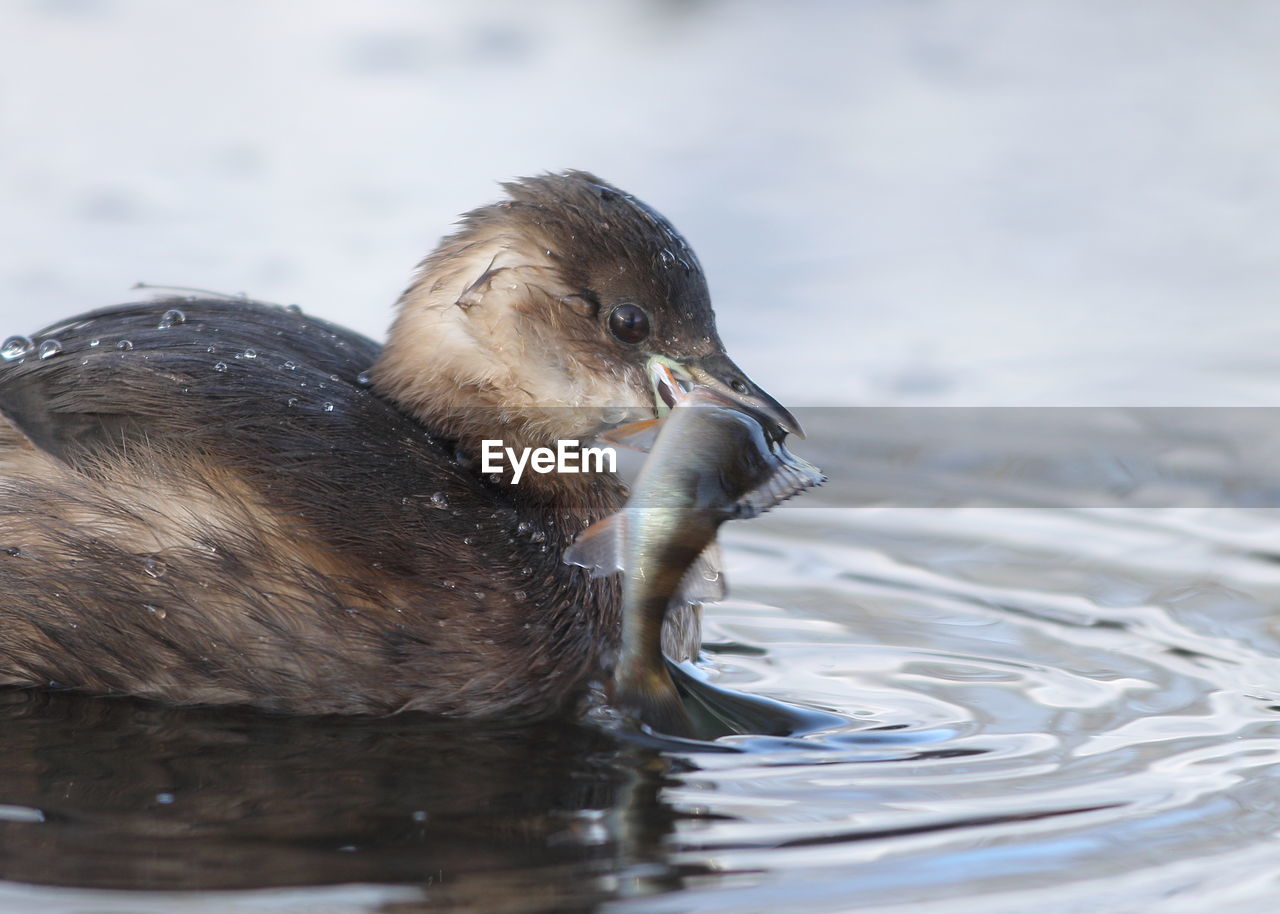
point(546, 454)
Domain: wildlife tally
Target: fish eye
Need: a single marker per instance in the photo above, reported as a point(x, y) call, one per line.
point(629, 323)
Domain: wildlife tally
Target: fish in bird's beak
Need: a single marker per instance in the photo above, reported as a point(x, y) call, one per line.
point(718, 374)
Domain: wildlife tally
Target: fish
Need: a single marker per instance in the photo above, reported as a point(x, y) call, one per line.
point(709, 462)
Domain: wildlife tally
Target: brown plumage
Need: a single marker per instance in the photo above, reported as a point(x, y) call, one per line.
point(223, 501)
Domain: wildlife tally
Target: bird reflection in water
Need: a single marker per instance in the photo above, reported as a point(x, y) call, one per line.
point(135, 795)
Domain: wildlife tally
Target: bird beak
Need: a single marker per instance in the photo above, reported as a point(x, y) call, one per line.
point(718, 374)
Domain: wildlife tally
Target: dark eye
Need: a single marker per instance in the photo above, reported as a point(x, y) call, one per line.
point(629, 323)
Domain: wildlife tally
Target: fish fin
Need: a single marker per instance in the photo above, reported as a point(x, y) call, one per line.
point(599, 547)
point(704, 581)
point(635, 436)
point(716, 711)
point(792, 476)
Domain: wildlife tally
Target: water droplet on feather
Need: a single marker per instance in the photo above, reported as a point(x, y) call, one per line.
point(15, 347)
point(171, 318)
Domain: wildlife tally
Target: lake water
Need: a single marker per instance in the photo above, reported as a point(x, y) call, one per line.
point(1057, 703)
point(1048, 636)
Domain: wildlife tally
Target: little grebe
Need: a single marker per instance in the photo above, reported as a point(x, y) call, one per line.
point(228, 502)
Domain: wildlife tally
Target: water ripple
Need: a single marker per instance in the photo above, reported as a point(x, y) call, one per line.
point(1066, 698)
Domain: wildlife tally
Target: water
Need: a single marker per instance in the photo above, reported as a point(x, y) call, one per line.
point(1049, 640)
point(936, 201)
point(1049, 705)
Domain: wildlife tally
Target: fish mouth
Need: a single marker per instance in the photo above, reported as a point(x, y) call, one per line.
point(667, 389)
point(717, 374)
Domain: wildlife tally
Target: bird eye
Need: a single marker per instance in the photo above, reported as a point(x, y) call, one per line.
point(629, 323)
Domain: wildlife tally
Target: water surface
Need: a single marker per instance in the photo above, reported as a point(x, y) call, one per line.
point(1038, 703)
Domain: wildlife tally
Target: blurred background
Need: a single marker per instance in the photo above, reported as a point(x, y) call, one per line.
point(896, 201)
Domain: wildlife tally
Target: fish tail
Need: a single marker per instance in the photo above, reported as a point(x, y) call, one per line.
point(647, 693)
point(790, 476)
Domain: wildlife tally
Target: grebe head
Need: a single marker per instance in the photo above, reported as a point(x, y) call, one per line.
point(542, 316)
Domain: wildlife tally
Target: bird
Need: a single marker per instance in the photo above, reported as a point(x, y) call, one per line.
point(211, 500)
